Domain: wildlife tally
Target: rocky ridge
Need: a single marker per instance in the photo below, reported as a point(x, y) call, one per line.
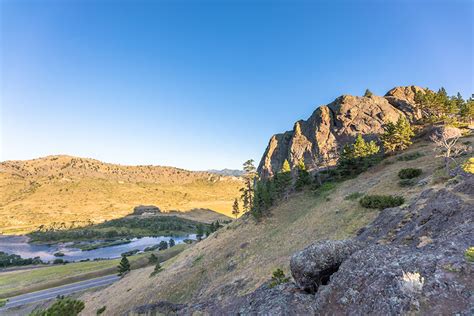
point(318, 139)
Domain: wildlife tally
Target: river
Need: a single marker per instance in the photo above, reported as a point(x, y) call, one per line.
point(19, 245)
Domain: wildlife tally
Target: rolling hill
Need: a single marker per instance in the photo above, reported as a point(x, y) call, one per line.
point(73, 190)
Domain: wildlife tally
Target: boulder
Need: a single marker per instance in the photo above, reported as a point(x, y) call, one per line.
point(145, 209)
point(314, 265)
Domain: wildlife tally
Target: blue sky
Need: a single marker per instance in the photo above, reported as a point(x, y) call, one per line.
point(204, 84)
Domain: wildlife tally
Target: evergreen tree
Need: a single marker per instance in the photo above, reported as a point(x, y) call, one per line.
point(157, 269)
point(368, 93)
point(163, 245)
point(437, 106)
point(64, 306)
point(247, 190)
point(285, 167)
point(199, 232)
point(236, 208)
point(467, 110)
point(357, 157)
point(124, 266)
point(397, 136)
point(303, 179)
point(283, 179)
point(171, 242)
point(152, 258)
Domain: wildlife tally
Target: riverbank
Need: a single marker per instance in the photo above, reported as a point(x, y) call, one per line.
point(19, 282)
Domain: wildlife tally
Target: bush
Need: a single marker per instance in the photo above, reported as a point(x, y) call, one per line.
point(353, 196)
point(62, 307)
point(59, 261)
point(3, 302)
point(406, 183)
point(278, 278)
point(409, 173)
point(411, 156)
point(381, 201)
point(101, 310)
point(469, 254)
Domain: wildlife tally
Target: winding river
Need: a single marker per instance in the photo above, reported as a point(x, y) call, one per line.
point(19, 245)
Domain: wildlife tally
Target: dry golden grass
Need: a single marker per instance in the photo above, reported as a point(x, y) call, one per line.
point(68, 189)
point(238, 258)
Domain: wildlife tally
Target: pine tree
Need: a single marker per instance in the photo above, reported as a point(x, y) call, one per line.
point(303, 179)
point(283, 179)
point(368, 93)
point(163, 245)
point(124, 266)
point(171, 242)
point(357, 157)
point(157, 269)
point(247, 190)
point(199, 232)
point(467, 110)
point(397, 136)
point(152, 258)
point(285, 167)
point(236, 208)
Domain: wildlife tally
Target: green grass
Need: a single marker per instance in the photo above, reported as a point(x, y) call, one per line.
point(410, 156)
point(3, 302)
point(87, 247)
point(25, 281)
point(353, 196)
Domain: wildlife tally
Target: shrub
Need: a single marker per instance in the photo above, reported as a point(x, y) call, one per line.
point(381, 201)
point(59, 261)
point(409, 173)
point(353, 196)
point(63, 306)
point(406, 182)
point(469, 254)
point(101, 310)
point(410, 156)
point(157, 269)
point(278, 278)
point(3, 302)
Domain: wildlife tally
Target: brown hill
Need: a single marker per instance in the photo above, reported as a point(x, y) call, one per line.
point(319, 139)
point(67, 189)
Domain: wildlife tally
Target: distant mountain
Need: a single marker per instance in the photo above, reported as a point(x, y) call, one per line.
point(319, 139)
point(227, 172)
point(57, 189)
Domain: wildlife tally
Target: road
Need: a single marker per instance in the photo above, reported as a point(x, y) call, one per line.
point(60, 290)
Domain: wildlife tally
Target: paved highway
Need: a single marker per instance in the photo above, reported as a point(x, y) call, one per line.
point(60, 290)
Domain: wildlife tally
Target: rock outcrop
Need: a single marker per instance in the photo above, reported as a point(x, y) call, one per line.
point(318, 139)
point(314, 265)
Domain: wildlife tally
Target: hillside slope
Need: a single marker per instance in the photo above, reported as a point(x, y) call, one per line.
point(71, 189)
point(239, 258)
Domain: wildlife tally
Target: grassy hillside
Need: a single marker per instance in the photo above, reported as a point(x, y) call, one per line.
point(69, 189)
point(238, 258)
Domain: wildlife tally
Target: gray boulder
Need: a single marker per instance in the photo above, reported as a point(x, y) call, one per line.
point(314, 265)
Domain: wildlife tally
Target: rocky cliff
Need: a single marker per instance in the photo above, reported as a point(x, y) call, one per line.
point(318, 139)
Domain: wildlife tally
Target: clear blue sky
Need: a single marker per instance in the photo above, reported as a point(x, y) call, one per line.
point(200, 84)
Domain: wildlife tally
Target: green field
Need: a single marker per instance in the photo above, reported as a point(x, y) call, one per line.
point(18, 282)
